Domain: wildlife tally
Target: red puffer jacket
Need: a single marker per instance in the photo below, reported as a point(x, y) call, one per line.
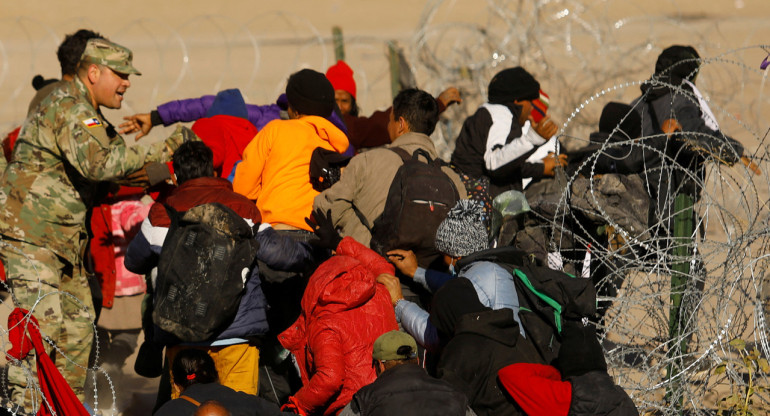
point(344, 310)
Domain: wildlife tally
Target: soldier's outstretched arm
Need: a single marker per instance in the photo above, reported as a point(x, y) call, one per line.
point(89, 149)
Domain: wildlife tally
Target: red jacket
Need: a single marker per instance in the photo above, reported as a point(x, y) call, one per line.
point(537, 388)
point(344, 310)
point(202, 191)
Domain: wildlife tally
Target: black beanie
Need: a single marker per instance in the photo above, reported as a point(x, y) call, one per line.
point(580, 351)
point(513, 84)
point(310, 93)
point(678, 61)
point(612, 114)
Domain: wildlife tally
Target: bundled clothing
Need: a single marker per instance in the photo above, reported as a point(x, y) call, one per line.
point(276, 165)
point(492, 284)
point(582, 387)
point(344, 310)
point(408, 390)
point(467, 327)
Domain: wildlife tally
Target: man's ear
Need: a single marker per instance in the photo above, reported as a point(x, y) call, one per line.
point(93, 73)
point(403, 126)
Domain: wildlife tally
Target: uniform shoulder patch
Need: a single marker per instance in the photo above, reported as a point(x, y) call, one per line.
point(92, 122)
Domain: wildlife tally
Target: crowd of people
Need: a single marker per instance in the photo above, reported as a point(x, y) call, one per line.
point(299, 258)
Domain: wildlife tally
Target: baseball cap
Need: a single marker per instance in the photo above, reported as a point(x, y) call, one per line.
point(110, 54)
point(387, 345)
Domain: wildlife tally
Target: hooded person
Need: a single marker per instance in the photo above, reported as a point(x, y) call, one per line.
point(678, 123)
point(344, 311)
point(578, 385)
point(465, 328)
point(226, 130)
point(275, 165)
point(493, 141)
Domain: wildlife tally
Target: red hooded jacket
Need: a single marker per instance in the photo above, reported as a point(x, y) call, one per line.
point(226, 136)
point(344, 310)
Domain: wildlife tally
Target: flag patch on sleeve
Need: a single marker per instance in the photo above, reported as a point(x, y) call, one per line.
point(92, 122)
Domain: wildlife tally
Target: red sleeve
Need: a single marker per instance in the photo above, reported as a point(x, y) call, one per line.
point(158, 216)
point(370, 259)
point(369, 131)
point(537, 388)
point(329, 374)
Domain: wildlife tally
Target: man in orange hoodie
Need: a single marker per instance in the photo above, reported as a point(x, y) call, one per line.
point(275, 167)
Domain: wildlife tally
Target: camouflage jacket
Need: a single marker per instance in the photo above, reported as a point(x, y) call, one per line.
point(64, 154)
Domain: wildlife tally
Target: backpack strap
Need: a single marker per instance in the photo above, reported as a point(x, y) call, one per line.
point(173, 215)
point(191, 400)
point(405, 156)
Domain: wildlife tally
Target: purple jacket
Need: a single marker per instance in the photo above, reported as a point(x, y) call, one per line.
point(191, 109)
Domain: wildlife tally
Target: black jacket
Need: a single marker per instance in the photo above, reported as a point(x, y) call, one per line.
point(407, 390)
point(471, 145)
point(237, 402)
point(483, 343)
point(594, 393)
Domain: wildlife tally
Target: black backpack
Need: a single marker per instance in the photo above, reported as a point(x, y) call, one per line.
point(546, 297)
point(206, 258)
point(419, 198)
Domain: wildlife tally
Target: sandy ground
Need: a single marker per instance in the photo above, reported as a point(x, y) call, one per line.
point(190, 48)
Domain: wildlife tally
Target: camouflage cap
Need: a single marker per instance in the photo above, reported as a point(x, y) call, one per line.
point(114, 56)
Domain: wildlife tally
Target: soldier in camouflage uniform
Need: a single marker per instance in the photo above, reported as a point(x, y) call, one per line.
point(65, 152)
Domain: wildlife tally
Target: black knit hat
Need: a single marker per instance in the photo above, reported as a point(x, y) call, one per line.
point(310, 93)
point(513, 84)
point(678, 61)
point(580, 351)
point(622, 116)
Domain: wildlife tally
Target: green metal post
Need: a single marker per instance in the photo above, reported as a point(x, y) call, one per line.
point(339, 44)
point(395, 68)
point(684, 221)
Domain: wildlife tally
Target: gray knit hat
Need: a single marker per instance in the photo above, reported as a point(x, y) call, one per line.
point(463, 232)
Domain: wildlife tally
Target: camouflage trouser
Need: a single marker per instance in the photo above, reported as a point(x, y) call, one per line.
point(63, 320)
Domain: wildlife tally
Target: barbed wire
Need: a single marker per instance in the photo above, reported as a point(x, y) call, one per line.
point(583, 58)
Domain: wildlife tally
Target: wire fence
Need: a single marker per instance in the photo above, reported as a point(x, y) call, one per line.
point(583, 57)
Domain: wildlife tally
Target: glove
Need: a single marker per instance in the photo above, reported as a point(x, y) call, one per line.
point(322, 226)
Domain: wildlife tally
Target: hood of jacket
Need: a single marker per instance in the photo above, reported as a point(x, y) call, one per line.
point(344, 282)
point(328, 132)
point(227, 137)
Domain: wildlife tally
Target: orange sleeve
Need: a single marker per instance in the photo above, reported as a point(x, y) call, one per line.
point(248, 173)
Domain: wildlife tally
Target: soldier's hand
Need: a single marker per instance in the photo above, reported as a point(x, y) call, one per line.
point(404, 260)
point(449, 96)
point(393, 286)
point(545, 128)
point(551, 161)
point(138, 123)
point(138, 178)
